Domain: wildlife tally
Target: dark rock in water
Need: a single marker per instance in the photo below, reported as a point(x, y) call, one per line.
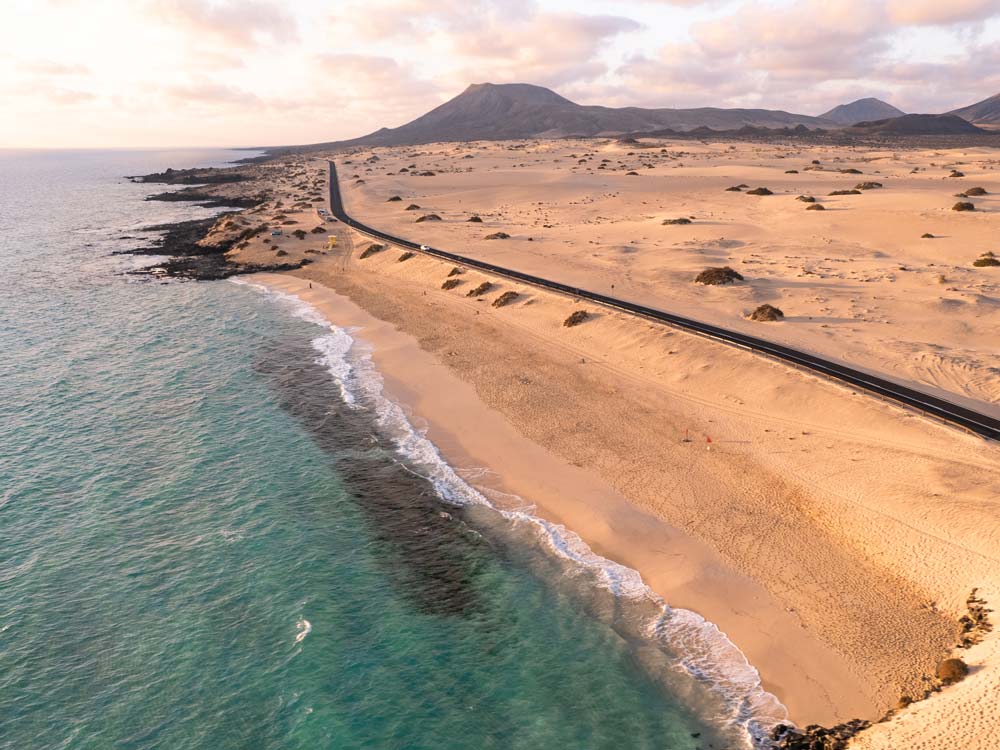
point(206, 200)
point(815, 737)
point(716, 276)
point(196, 176)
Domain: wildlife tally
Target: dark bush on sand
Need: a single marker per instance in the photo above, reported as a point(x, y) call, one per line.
point(759, 191)
point(300, 233)
point(498, 236)
point(951, 671)
point(964, 206)
point(505, 299)
point(846, 192)
point(405, 256)
point(767, 313)
point(456, 271)
point(371, 250)
point(475, 220)
point(281, 253)
point(480, 290)
point(576, 318)
point(986, 260)
point(734, 189)
point(716, 276)
point(413, 207)
point(451, 283)
point(851, 171)
point(394, 199)
point(318, 230)
point(806, 199)
point(429, 217)
point(681, 220)
point(815, 207)
point(868, 186)
point(927, 236)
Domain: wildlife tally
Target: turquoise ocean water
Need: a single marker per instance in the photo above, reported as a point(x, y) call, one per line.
point(215, 532)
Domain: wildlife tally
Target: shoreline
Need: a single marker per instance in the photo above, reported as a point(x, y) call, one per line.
point(684, 571)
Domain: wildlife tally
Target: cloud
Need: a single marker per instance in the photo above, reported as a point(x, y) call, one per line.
point(936, 12)
point(202, 92)
point(51, 68)
point(244, 24)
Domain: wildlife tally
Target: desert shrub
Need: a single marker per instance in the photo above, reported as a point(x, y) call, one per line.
point(851, 171)
point(451, 283)
point(505, 299)
point(815, 207)
point(716, 276)
point(767, 313)
point(759, 191)
point(480, 290)
point(576, 318)
point(956, 173)
point(964, 206)
point(806, 199)
point(974, 191)
point(273, 248)
point(682, 220)
point(371, 250)
point(927, 236)
point(631, 174)
point(498, 236)
point(428, 217)
point(299, 233)
point(413, 207)
point(951, 671)
point(734, 189)
point(791, 171)
point(427, 174)
point(394, 199)
point(318, 230)
point(986, 260)
point(281, 253)
point(846, 192)
point(475, 220)
point(456, 271)
point(868, 186)
point(405, 256)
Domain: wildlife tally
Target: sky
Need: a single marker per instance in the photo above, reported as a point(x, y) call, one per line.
point(149, 73)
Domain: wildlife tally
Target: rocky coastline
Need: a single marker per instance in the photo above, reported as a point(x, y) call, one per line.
point(191, 249)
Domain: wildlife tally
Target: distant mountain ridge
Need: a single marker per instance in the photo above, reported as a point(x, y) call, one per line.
point(985, 113)
point(513, 111)
point(862, 110)
point(488, 111)
point(917, 125)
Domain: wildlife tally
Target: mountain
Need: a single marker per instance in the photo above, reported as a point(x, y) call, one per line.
point(916, 125)
point(487, 111)
point(985, 113)
point(862, 110)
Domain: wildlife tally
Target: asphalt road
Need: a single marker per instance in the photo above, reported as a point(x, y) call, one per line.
point(934, 406)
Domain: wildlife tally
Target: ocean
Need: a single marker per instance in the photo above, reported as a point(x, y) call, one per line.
point(216, 531)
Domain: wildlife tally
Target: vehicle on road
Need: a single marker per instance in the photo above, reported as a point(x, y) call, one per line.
point(424, 247)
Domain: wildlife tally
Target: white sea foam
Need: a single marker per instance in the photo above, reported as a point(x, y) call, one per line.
point(304, 627)
point(705, 651)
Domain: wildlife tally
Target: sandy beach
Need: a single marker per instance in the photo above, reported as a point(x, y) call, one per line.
point(833, 537)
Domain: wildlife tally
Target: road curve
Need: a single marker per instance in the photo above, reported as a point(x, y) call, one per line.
point(939, 408)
